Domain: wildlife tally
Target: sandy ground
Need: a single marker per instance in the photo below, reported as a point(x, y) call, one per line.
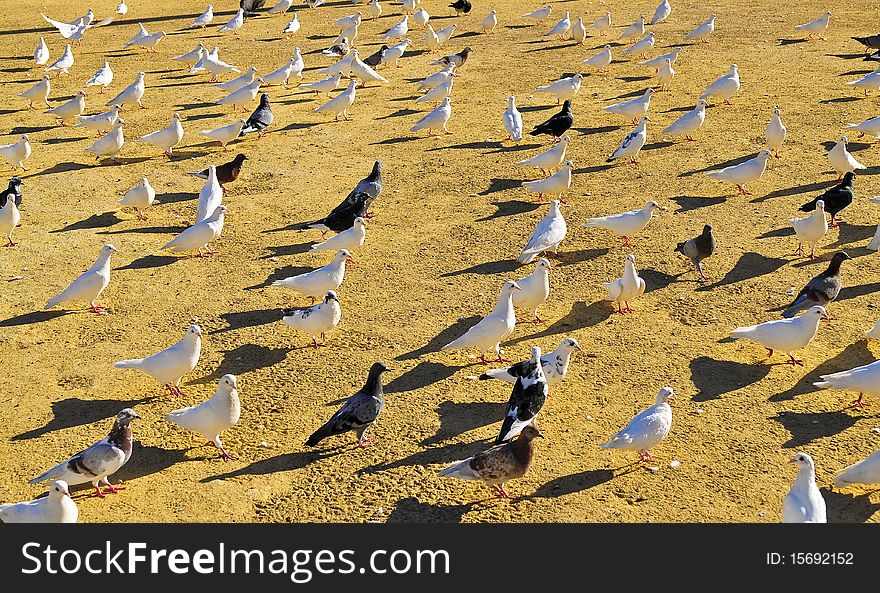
point(445, 236)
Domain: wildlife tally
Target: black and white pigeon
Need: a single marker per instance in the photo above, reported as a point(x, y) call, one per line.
point(14, 191)
point(821, 290)
point(555, 365)
point(836, 198)
point(529, 395)
point(339, 50)
point(375, 59)
point(342, 217)
point(870, 42)
point(557, 125)
point(699, 248)
point(250, 7)
point(358, 413)
point(260, 119)
point(461, 7)
point(458, 59)
point(99, 461)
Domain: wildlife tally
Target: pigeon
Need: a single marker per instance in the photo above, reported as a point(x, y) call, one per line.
point(702, 32)
point(240, 81)
point(528, 397)
point(225, 134)
point(199, 66)
point(398, 31)
point(41, 54)
point(204, 19)
point(774, 134)
point(866, 471)
point(437, 93)
point(343, 216)
point(874, 332)
point(724, 87)
point(688, 123)
point(395, 52)
point(540, 15)
point(90, 284)
point(217, 67)
point(564, 88)
point(560, 29)
point(281, 75)
point(17, 153)
point(637, 29)
point(821, 289)
point(97, 463)
point(811, 229)
point(69, 109)
point(169, 366)
point(166, 138)
point(234, 23)
point(785, 334)
point(210, 196)
point(324, 85)
point(339, 49)
point(556, 184)
point(430, 40)
point(340, 103)
point(363, 72)
point(870, 126)
point(579, 31)
point(110, 144)
point(490, 22)
point(57, 507)
point(260, 119)
point(627, 287)
point(349, 239)
point(122, 8)
point(672, 56)
point(347, 21)
point(816, 28)
point(443, 35)
point(213, 416)
point(601, 60)
point(642, 46)
point(149, 41)
point(868, 82)
point(281, 7)
point(699, 248)
point(318, 282)
point(409, 6)
point(139, 197)
point(835, 199)
point(804, 503)
point(646, 429)
point(632, 143)
point(664, 9)
point(100, 122)
point(547, 236)
point(438, 78)
point(242, 96)
point(317, 319)
point(841, 160)
point(746, 172)
point(63, 63)
point(461, 7)
point(103, 77)
point(864, 379)
point(534, 289)
point(458, 59)
point(436, 119)
point(627, 224)
point(421, 17)
point(498, 465)
point(512, 120)
point(12, 191)
point(555, 365)
point(226, 173)
point(142, 32)
point(199, 235)
point(38, 92)
point(870, 42)
point(358, 413)
point(491, 330)
point(602, 24)
point(292, 26)
point(558, 124)
point(250, 7)
point(634, 108)
point(9, 219)
point(665, 75)
point(132, 94)
point(298, 64)
point(373, 60)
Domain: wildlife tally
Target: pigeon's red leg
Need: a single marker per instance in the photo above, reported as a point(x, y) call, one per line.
point(627, 242)
point(365, 442)
point(483, 358)
point(769, 353)
point(171, 389)
point(834, 223)
point(800, 249)
point(98, 492)
point(645, 456)
point(619, 309)
point(858, 402)
point(113, 489)
point(794, 361)
point(539, 320)
point(226, 455)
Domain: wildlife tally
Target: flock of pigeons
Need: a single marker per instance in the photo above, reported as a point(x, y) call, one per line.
point(513, 451)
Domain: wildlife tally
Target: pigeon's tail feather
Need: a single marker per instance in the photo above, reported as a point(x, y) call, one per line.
point(460, 469)
point(798, 305)
point(51, 474)
point(199, 174)
point(809, 206)
point(741, 332)
point(526, 257)
point(134, 363)
point(53, 301)
point(319, 435)
point(493, 374)
point(506, 429)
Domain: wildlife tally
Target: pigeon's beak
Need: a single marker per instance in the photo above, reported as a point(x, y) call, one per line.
point(517, 288)
point(825, 317)
point(65, 492)
point(578, 348)
point(792, 460)
point(349, 260)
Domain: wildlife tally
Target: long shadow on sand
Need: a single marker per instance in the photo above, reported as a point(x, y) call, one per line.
point(444, 337)
point(713, 378)
point(848, 508)
point(750, 265)
point(423, 374)
point(410, 510)
point(74, 411)
point(806, 427)
point(243, 319)
point(458, 418)
point(244, 359)
point(580, 316)
point(852, 356)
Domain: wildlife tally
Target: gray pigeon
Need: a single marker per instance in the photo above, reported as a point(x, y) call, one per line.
point(99, 461)
point(251, 6)
point(374, 60)
point(870, 42)
point(358, 413)
point(372, 183)
point(260, 119)
point(340, 50)
point(821, 290)
point(699, 248)
point(529, 396)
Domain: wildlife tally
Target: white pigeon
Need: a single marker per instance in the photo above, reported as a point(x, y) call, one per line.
point(241, 81)
point(637, 29)
point(804, 502)
point(534, 289)
point(199, 66)
point(142, 32)
point(750, 170)
point(103, 77)
point(547, 236)
point(122, 8)
point(430, 40)
point(298, 64)
point(866, 471)
point(602, 24)
point(512, 120)
point(702, 32)
point(375, 9)
point(204, 19)
point(110, 144)
point(281, 7)
point(90, 284)
point(445, 33)
point(395, 52)
point(409, 6)
point(436, 94)
point(660, 60)
point(234, 23)
point(811, 229)
point(70, 109)
point(343, 66)
point(642, 46)
point(841, 160)
point(225, 134)
point(132, 94)
point(139, 197)
point(601, 60)
point(38, 92)
point(438, 78)
point(41, 54)
point(646, 429)
point(579, 31)
point(436, 119)
point(564, 88)
point(785, 334)
point(864, 379)
point(869, 127)
point(626, 288)
point(868, 82)
point(540, 15)
point(199, 235)
point(166, 138)
point(281, 75)
point(724, 87)
point(363, 72)
point(349, 239)
point(347, 21)
point(292, 25)
point(874, 332)
point(632, 143)
point(17, 153)
point(325, 85)
point(665, 75)
point(488, 333)
point(490, 22)
point(339, 104)
point(63, 63)
point(76, 29)
point(100, 121)
point(210, 196)
point(9, 219)
point(554, 364)
point(774, 134)
point(397, 31)
point(688, 123)
point(421, 17)
point(560, 29)
point(171, 365)
point(57, 507)
point(343, 42)
point(556, 184)
point(634, 108)
point(242, 96)
point(317, 282)
point(221, 412)
point(217, 67)
point(664, 9)
point(816, 27)
point(191, 57)
point(317, 319)
point(149, 42)
point(626, 224)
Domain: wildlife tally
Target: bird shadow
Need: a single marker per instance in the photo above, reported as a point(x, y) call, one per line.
point(581, 255)
point(59, 168)
point(840, 100)
point(636, 93)
point(423, 374)
point(509, 208)
point(32, 317)
point(852, 233)
point(245, 319)
point(795, 190)
point(806, 427)
point(749, 265)
point(285, 250)
point(598, 130)
point(657, 145)
point(400, 113)
point(500, 184)
point(95, 221)
point(579, 316)
point(633, 78)
point(572, 483)
point(410, 510)
point(848, 508)
point(657, 280)
point(151, 261)
point(593, 169)
point(851, 292)
point(150, 460)
point(74, 411)
point(790, 41)
point(530, 108)
point(459, 418)
point(503, 266)
point(52, 141)
point(245, 359)
point(467, 145)
point(854, 355)
point(280, 274)
point(688, 203)
point(785, 231)
point(445, 454)
point(444, 337)
point(279, 463)
point(713, 378)
point(398, 140)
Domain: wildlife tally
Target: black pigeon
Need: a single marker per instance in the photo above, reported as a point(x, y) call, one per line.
point(836, 199)
point(699, 248)
point(13, 191)
point(870, 42)
point(528, 397)
point(359, 412)
point(226, 173)
point(557, 125)
point(260, 119)
point(251, 6)
point(374, 60)
point(342, 217)
point(821, 290)
point(461, 7)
